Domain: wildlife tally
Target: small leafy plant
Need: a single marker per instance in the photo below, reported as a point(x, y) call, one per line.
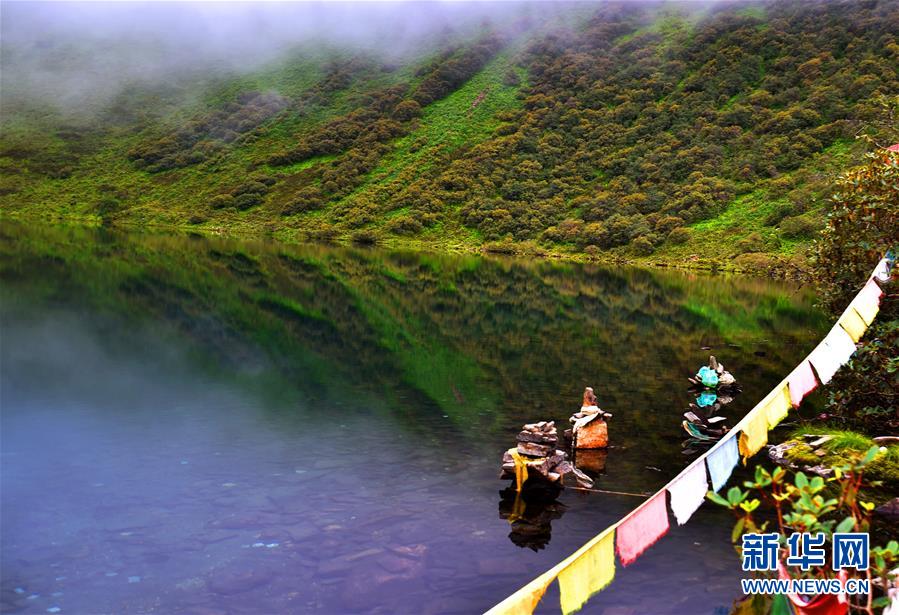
point(832, 505)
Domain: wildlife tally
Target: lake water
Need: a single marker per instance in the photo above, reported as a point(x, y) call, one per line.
point(204, 426)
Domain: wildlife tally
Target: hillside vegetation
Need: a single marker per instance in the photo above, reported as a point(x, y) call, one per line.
point(643, 131)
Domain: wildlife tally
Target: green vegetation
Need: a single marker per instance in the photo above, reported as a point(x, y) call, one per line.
point(678, 133)
point(483, 341)
point(818, 505)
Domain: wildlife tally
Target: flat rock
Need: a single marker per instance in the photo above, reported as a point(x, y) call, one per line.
point(545, 438)
point(889, 510)
point(533, 449)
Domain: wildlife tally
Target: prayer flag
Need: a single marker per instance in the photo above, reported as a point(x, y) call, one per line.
point(592, 567)
point(882, 270)
point(801, 382)
point(777, 404)
point(841, 343)
point(867, 302)
point(688, 493)
point(754, 433)
point(639, 531)
point(524, 601)
point(853, 324)
point(722, 461)
point(825, 362)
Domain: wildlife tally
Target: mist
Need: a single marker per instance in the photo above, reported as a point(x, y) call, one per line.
point(78, 55)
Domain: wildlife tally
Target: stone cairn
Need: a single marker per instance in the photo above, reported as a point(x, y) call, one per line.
point(545, 463)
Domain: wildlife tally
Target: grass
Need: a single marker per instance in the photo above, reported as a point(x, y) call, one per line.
point(745, 216)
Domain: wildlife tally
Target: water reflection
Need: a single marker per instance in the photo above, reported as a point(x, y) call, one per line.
point(199, 426)
point(530, 515)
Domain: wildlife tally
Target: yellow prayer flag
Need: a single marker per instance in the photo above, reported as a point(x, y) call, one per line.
point(524, 601)
point(777, 405)
point(853, 324)
point(521, 468)
point(866, 308)
point(754, 433)
point(590, 569)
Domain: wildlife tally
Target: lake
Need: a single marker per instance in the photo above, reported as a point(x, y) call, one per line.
point(196, 425)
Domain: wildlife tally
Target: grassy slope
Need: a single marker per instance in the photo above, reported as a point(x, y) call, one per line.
point(172, 198)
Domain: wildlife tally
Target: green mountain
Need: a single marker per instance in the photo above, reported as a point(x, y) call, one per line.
point(658, 131)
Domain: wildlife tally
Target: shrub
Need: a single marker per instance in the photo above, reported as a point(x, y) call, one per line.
point(781, 211)
point(862, 224)
point(511, 78)
point(798, 227)
point(407, 110)
point(365, 237)
point(107, 207)
point(306, 200)
point(679, 235)
point(752, 243)
point(246, 201)
point(404, 225)
point(251, 187)
point(221, 201)
point(642, 246)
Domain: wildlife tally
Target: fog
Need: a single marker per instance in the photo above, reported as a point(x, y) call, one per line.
point(77, 55)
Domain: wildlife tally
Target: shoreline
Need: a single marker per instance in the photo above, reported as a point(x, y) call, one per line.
point(781, 270)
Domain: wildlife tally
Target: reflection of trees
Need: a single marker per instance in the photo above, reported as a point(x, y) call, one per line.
point(464, 334)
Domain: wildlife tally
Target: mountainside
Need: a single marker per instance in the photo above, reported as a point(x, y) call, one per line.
point(660, 131)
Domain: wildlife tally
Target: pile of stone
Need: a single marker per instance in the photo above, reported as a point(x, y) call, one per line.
point(537, 446)
point(715, 377)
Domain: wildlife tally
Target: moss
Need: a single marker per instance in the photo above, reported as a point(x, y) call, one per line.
point(885, 467)
point(802, 454)
point(844, 445)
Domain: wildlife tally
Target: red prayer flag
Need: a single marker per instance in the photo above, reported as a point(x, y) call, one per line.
point(871, 292)
point(640, 531)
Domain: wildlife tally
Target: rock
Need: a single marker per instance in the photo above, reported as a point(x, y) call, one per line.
point(820, 441)
point(533, 449)
point(886, 440)
point(889, 510)
point(544, 438)
point(594, 434)
point(582, 479)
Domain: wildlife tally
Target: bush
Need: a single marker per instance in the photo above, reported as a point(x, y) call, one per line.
point(365, 237)
point(511, 78)
point(752, 243)
point(642, 246)
point(305, 200)
point(407, 110)
point(246, 201)
point(404, 225)
point(780, 212)
point(221, 201)
point(679, 235)
point(251, 187)
point(862, 224)
point(798, 227)
point(863, 393)
point(107, 207)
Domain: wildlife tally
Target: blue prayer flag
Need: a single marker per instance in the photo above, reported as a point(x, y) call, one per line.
point(722, 461)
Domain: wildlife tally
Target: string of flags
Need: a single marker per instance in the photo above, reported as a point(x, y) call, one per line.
point(592, 567)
